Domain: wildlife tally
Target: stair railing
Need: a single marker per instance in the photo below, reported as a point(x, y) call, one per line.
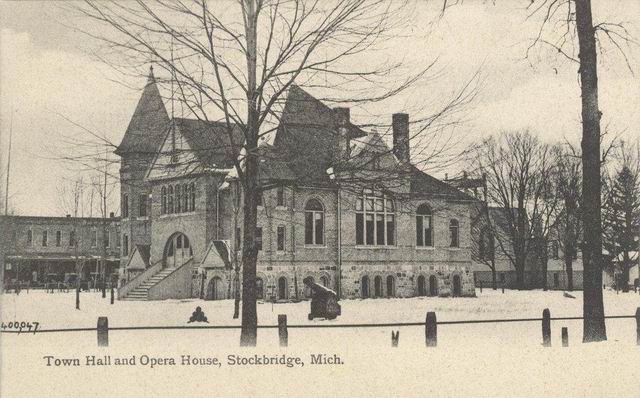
point(138, 280)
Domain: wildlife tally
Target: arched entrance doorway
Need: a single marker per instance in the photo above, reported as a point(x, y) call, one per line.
point(391, 286)
point(457, 288)
point(422, 287)
point(377, 286)
point(282, 288)
point(177, 250)
point(215, 289)
point(365, 287)
point(433, 285)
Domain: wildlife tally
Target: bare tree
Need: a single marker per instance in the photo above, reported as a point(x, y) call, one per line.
point(518, 167)
point(237, 64)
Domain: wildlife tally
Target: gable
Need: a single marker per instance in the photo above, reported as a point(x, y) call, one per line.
point(170, 164)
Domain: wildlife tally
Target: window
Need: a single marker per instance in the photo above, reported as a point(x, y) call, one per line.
point(193, 196)
point(281, 236)
point(178, 202)
point(94, 238)
point(280, 196)
point(314, 223)
point(324, 281)
point(259, 238)
point(424, 226)
point(72, 238)
point(58, 238)
point(107, 239)
point(163, 200)
point(29, 238)
point(45, 238)
point(170, 199)
point(142, 211)
point(125, 245)
point(454, 232)
point(186, 195)
point(115, 235)
point(125, 205)
point(375, 220)
point(259, 289)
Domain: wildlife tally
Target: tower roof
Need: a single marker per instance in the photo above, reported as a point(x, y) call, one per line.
point(148, 124)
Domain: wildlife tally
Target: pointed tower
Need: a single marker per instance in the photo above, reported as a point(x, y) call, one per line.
point(141, 141)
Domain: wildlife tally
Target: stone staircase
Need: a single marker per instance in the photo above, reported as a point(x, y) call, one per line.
point(141, 292)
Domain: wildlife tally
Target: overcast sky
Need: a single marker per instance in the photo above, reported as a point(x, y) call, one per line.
point(45, 72)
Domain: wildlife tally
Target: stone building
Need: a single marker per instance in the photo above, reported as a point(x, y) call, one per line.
point(35, 250)
point(338, 205)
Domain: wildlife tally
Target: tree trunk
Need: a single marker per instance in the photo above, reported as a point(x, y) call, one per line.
point(568, 265)
point(248, 336)
point(236, 294)
point(593, 307)
point(494, 283)
point(545, 267)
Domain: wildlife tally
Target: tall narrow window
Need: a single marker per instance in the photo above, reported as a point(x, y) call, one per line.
point(186, 198)
point(280, 196)
point(107, 239)
point(424, 226)
point(455, 233)
point(45, 238)
point(281, 238)
point(259, 238)
point(125, 205)
point(193, 196)
point(163, 200)
point(125, 244)
point(178, 205)
point(29, 238)
point(375, 220)
point(94, 238)
point(58, 238)
point(72, 238)
point(170, 199)
point(314, 223)
point(142, 204)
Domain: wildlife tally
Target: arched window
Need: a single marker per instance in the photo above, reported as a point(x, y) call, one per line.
point(433, 285)
point(364, 287)
point(377, 286)
point(422, 287)
point(424, 226)
point(163, 201)
point(170, 199)
point(314, 223)
point(259, 289)
point(375, 220)
point(391, 286)
point(454, 233)
point(324, 281)
point(307, 290)
point(178, 205)
point(283, 289)
point(193, 196)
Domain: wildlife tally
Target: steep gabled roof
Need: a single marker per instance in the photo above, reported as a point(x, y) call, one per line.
point(306, 134)
point(148, 124)
point(209, 141)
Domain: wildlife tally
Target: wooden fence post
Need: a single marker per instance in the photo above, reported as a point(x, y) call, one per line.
point(480, 286)
point(395, 337)
point(103, 331)
point(565, 337)
point(546, 328)
point(431, 329)
point(282, 330)
point(112, 294)
point(503, 288)
point(638, 326)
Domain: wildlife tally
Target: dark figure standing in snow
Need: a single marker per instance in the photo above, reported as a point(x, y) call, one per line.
point(198, 316)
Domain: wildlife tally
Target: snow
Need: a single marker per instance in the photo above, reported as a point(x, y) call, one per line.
point(496, 359)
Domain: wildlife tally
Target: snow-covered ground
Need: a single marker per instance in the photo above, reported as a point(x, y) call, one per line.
point(501, 359)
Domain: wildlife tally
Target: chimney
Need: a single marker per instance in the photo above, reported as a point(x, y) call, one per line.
point(343, 141)
point(68, 215)
point(111, 215)
point(400, 125)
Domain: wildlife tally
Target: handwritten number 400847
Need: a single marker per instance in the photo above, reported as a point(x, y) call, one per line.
point(20, 326)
